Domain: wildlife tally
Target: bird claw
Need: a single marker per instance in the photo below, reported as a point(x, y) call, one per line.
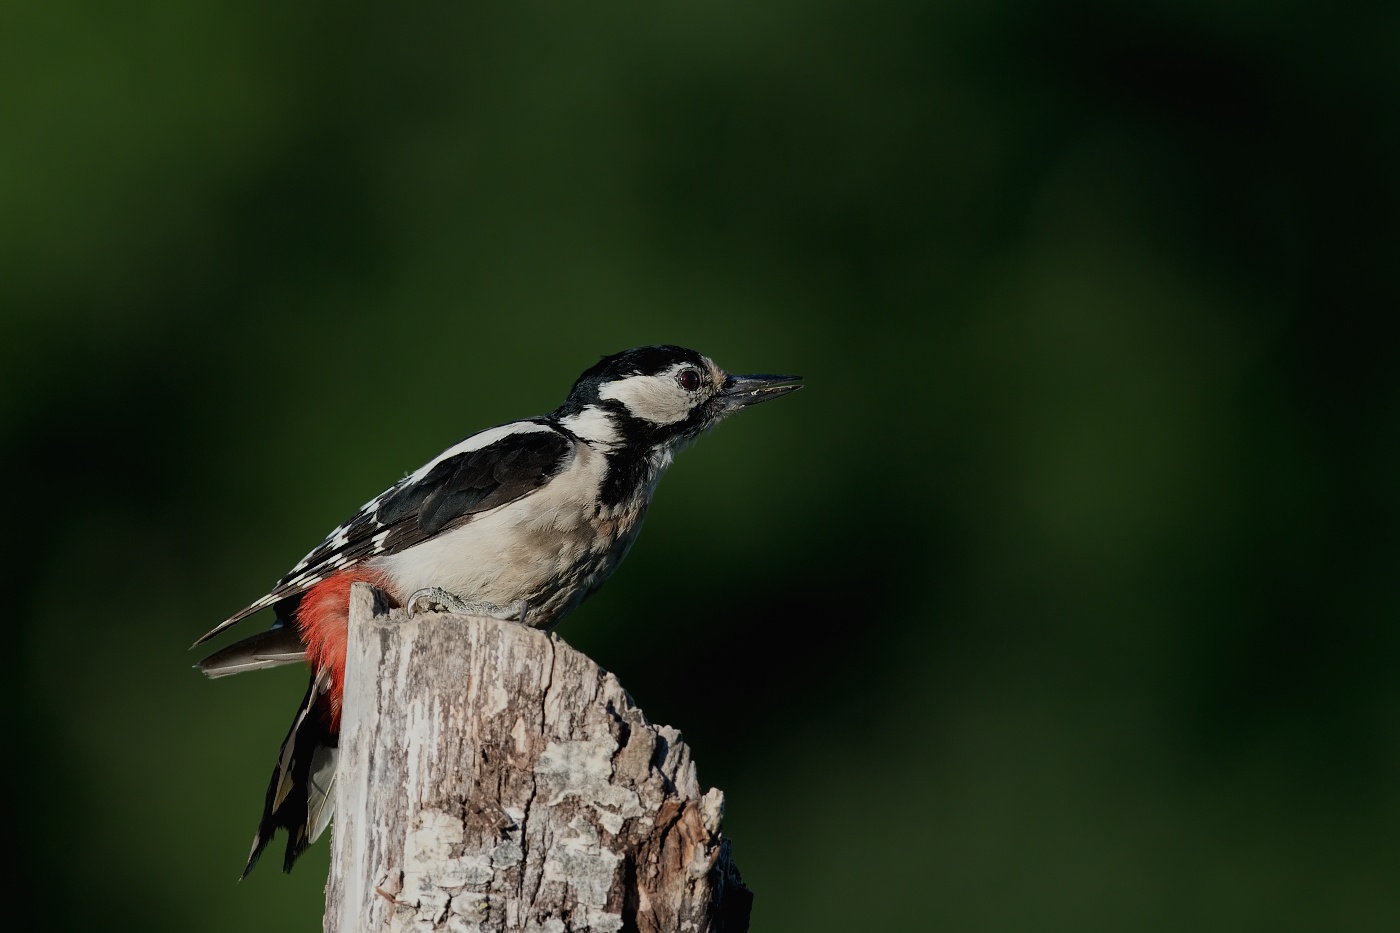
point(436, 599)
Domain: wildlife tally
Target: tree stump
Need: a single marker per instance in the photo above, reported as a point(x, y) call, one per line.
point(492, 778)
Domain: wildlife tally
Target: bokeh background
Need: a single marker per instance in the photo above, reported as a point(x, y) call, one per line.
point(1063, 598)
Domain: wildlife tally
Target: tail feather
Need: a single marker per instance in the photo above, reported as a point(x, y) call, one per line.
point(299, 795)
point(272, 648)
point(320, 791)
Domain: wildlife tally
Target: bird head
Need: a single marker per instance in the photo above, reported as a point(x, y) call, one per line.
point(663, 396)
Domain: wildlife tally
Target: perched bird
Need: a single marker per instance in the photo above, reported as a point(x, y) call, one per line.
point(520, 522)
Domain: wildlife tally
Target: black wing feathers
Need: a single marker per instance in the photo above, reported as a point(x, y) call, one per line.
point(471, 482)
point(455, 489)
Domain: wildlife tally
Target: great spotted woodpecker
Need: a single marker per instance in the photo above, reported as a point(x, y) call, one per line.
point(521, 521)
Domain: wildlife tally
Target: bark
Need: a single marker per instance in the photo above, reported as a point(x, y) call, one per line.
point(493, 778)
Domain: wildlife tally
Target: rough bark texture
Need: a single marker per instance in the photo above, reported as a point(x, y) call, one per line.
point(492, 778)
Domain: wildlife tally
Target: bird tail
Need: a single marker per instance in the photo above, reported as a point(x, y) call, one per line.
point(279, 645)
point(300, 796)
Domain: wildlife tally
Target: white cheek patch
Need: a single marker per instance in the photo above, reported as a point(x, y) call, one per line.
point(658, 399)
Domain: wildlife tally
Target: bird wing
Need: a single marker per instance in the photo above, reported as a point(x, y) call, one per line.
point(481, 473)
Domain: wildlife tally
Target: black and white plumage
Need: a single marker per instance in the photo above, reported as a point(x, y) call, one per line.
point(521, 521)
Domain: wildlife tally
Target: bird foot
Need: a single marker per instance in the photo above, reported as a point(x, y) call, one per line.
point(436, 599)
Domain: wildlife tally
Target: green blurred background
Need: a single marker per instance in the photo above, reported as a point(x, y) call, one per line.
point(1063, 598)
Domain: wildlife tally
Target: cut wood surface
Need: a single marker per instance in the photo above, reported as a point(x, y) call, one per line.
point(493, 778)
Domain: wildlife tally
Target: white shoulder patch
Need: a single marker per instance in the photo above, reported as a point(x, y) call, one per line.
point(593, 425)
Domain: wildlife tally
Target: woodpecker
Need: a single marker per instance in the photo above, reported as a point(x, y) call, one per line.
point(520, 522)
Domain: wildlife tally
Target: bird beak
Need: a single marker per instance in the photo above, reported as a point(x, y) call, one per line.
point(742, 391)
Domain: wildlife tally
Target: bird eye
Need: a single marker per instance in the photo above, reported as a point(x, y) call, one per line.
point(688, 379)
